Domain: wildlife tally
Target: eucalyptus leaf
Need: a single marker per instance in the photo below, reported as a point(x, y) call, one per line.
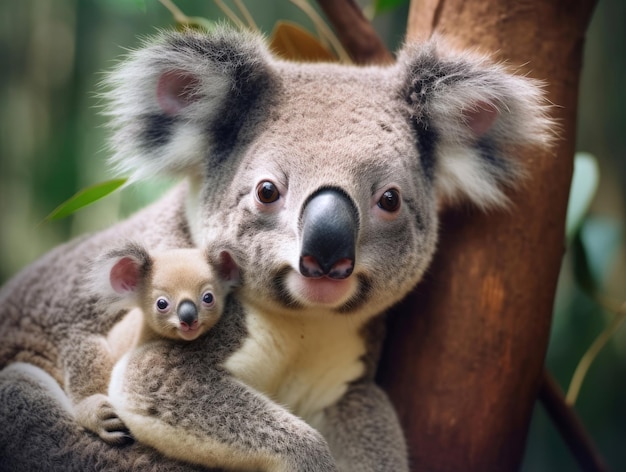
point(85, 197)
point(583, 189)
point(291, 41)
point(602, 238)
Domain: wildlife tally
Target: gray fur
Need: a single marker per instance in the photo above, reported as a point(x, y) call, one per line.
point(38, 433)
point(232, 74)
point(287, 372)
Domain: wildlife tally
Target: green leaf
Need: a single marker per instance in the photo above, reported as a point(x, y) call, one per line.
point(602, 238)
point(85, 197)
point(382, 6)
point(583, 189)
point(594, 250)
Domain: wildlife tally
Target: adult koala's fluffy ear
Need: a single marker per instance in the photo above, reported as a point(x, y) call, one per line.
point(468, 114)
point(181, 100)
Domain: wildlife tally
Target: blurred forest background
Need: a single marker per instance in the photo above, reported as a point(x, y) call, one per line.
point(52, 144)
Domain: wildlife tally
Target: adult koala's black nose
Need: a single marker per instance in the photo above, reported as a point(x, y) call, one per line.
point(330, 225)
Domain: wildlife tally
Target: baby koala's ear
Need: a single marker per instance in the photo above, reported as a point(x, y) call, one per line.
point(118, 275)
point(125, 275)
point(228, 269)
point(224, 262)
point(469, 116)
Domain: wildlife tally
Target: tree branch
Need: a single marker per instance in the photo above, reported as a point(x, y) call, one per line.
point(570, 426)
point(355, 32)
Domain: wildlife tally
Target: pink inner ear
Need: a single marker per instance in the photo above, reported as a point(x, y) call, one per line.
point(228, 267)
point(124, 275)
point(176, 90)
point(481, 117)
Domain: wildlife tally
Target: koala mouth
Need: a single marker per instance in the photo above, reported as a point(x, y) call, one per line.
point(189, 334)
point(322, 291)
point(343, 296)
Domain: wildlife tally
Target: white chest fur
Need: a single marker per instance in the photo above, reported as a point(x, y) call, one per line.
point(303, 363)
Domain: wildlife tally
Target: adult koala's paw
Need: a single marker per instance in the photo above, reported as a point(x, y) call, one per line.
point(96, 414)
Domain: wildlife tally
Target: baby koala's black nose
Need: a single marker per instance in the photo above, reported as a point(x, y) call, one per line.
point(187, 312)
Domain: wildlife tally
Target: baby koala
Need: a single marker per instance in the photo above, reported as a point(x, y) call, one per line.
point(176, 295)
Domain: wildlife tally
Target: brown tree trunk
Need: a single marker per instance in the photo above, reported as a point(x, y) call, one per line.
point(464, 357)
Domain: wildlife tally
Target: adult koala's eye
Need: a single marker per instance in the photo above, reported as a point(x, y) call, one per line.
point(390, 200)
point(162, 304)
point(266, 192)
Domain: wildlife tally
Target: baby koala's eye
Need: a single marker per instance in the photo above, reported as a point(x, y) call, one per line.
point(162, 304)
point(208, 299)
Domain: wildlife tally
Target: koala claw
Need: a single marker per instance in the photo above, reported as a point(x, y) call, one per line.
point(97, 415)
point(112, 429)
point(117, 438)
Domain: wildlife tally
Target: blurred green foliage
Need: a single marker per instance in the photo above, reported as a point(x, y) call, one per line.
point(381, 6)
point(52, 144)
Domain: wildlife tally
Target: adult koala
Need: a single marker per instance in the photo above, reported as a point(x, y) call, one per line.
point(326, 180)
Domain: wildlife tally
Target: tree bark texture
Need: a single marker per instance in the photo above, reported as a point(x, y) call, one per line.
point(464, 356)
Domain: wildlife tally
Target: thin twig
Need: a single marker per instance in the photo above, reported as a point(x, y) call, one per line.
point(598, 344)
point(246, 14)
point(569, 426)
point(232, 16)
point(176, 12)
point(182, 19)
point(319, 24)
point(323, 29)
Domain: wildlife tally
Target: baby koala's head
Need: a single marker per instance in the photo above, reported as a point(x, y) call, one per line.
point(181, 292)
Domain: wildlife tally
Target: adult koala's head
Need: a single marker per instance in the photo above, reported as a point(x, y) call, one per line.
point(327, 177)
